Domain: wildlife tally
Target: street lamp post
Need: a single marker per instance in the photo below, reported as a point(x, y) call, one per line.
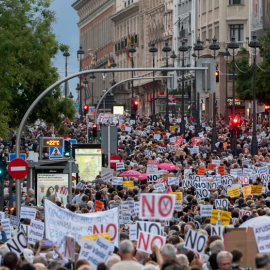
point(174, 58)
point(183, 49)
point(66, 57)
point(254, 44)
point(80, 56)
point(153, 50)
point(198, 47)
point(92, 79)
point(85, 84)
point(214, 47)
point(166, 50)
point(233, 46)
point(132, 52)
point(226, 55)
point(113, 65)
point(195, 93)
point(104, 90)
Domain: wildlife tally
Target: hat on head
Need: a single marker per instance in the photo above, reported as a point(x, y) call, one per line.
point(198, 218)
point(243, 205)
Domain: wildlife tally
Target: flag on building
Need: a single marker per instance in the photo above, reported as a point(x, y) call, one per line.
point(109, 61)
point(128, 46)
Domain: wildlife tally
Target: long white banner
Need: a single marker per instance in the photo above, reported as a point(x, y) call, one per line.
point(59, 221)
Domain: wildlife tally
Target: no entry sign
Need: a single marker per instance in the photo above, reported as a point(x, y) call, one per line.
point(18, 168)
point(114, 159)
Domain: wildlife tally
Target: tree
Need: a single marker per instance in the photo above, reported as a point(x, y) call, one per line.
point(27, 46)
point(244, 78)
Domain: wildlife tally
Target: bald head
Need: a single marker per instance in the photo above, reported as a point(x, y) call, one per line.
point(40, 266)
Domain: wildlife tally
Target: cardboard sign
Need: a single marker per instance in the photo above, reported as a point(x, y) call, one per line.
point(246, 191)
point(14, 221)
point(195, 241)
point(211, 167)
point(222, 202)
point(157, 206)
point(107, 176)
point(173, 181)
point(99, 252)
point(120, 166)
point(149, 227)
point(217, 230)
point(69, 252)
point(206, 210)
point(262, 236)
point(233, 192)
point(165, 177)
point(245, 212)
point(179, 195)
point(36, 232)
point(28, 212)
point(6, 226)
point(221, 170)
point(93, 237)
point(85, 249)
point(178, 206)
point(146, 240)
point(243, 180)
point(172, 128)
point(123, 126)
point(225, 217)
point(152, 166)
point(159, 187)
point(152, 178)
point(129, 184)
point(256, 190)
point(17, 243)
point(201, 171)
point(98, 205)
point(202, 193)
point(136, 207)
point(117, 181)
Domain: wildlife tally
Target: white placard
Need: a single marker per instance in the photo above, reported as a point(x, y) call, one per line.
point(262, 236)
point(17, 243)
point(107, 176)
point(202, 193)
point(85, 249)
point(173, 181)
point(69, 252)
point(6, 226)
point(173, 139)
point(145, 240)
point(117, 181)
point(159, 187)
point(156, 136)
point(206, 210)
point(120, 166)
point(195, 241)
point(28, 212)
point(152, 178)
point(222, 202)
point(36, 232)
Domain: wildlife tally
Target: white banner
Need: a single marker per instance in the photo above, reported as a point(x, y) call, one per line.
point(262, 236)
point(85, 249)
point(59, 221)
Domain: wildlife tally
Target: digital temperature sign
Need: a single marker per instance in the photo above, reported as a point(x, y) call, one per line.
point(50, 142)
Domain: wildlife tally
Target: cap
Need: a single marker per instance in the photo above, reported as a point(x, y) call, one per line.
point(198, 218)
point(244, 205)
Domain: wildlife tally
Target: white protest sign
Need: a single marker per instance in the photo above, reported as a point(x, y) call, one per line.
point(79, 224)
point(80, 185)
point(28, 212)
point(173, 181)
point(136, 207)
point(146, 239)
point(128, 129)
point(117, 181)
point(263, 170)
point(162, 150)
point(206, 210)
point(17, 243)
point(202, 193)
point(148, 153)
point(244, 212)
point(172, 139)
point(60, 243)
point(262, 236)
point(194, 150)
point(99, 251)
point(85, 249)
point(120, 166)
point(217, 162)
point(156, 136)
point(195, 241)
point(157, 206)
point(178, 206)
point(36, 232)
point(150, 227)
point(159, 187)
point(106, 176)
point(132, 122)
point(6, 226)
point(187, 172)
point(152, 166)
point(243, 180)
point(152, 178)
point(132, 232)
point(69, 252)
point(217, 230)
point(222, 202)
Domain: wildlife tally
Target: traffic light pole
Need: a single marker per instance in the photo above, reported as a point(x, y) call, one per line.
point(63, 80)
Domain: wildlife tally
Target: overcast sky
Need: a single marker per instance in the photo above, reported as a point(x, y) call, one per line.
point(67, 32)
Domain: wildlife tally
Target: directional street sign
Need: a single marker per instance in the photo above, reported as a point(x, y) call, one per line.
point(56, 153)
point(18, 168)
point(13, 156)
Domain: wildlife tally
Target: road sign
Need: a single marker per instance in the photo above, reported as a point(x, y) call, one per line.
point(18, 168)
point(114, 159)
point(206, 83)
point(56, 153)
point(172, 99)
point(13, 156)
point(73, 141)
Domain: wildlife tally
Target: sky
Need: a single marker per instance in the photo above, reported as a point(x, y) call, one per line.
point(67, 32)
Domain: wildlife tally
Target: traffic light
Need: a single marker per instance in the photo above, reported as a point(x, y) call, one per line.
point(3, 169)
point(267, 108)
point(90, 136)
point(238, 132)
point(67, 149)
point(85, 109)
point(217, 76)
point(235, 122)
point(94, 130)
point(134, 108)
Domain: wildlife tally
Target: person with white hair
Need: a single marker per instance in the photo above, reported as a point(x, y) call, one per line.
point(140, 256)
point(224, 260)
point(111, 261)
point(127, 262)
point(216, 246)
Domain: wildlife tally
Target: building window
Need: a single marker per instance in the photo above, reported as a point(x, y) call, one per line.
point(210, 34)
point(132, 40)
point(122, 45)
point(237, 30)
point(236, 2)
point(136, 39)
point(217, 32)
point(115, 47)
point(125, 42)
point(118, 47)
point(204, 36)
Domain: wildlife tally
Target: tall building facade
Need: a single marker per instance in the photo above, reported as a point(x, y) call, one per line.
point(96, 39)
point(223, 19)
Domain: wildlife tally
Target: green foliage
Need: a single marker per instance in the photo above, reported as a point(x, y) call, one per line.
point(27, 46)
point(244, 81)
point(63, 130)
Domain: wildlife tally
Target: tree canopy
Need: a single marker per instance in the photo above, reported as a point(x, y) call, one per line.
point(244, 78)
point(27, 47)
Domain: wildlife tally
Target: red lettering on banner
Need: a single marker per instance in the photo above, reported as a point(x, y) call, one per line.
point(146, 204)
point(95, 230)
point(141, 238)
point(160, 208)
point(115, 231)
point(159, 238)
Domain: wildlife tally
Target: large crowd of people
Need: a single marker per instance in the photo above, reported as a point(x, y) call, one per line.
point(180, 159)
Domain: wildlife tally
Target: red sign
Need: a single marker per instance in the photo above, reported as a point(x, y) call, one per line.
point(196, 140)
point(114, 159)
point(18, 168)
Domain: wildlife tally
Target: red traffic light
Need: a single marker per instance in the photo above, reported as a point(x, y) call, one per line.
point(85, 107)
point(136, 102)
point(94, 126)
point(235, 121)
point(267, 107)
point(216, 73)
